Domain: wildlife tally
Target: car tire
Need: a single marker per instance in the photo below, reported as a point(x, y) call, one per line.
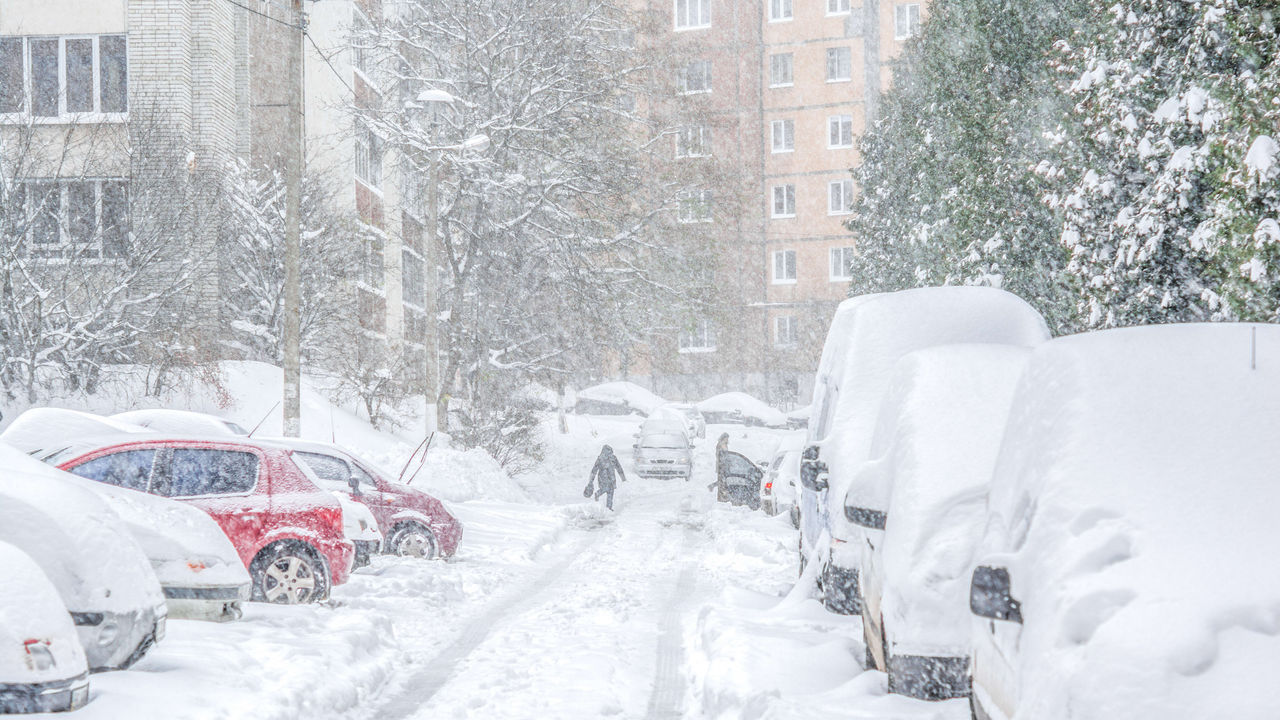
point(413, 540)
point(289, 573)
point(868, 660)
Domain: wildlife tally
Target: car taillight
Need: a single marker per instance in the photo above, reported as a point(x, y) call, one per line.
point(768, 485)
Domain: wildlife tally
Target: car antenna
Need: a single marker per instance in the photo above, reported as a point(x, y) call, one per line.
point(333, 433)
point(264, 419)
point(1253, 350)
point(424, 459)
point(412, 455)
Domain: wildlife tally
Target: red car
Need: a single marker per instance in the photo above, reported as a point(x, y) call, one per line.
point(287, 531)
point(413, 522)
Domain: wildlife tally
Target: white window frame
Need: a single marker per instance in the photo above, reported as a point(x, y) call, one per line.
point(782, 197)
point(67, 249)
point(686, 73)
point(693, 141)
point(691, 14)
point(785, 270)
point(369, 158)
point(906, 21)
point(777, 61)
point(695, 206)
point(700, 339)
point(786, 331)
point(781, 11)
point(784, 130)
point(63, 116)
point(840, 260)
point(846, 197)
point(839, 130)
point(835, 54)
point(837, 7)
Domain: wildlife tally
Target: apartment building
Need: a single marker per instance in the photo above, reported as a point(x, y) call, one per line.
point(819, 66)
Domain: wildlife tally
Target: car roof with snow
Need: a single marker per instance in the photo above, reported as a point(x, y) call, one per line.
point(620, 392)
point(183, 422)
point(1133, 502)
point(746, 404)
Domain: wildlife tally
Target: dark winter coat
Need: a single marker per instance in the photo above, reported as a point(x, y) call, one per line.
point(605, 468)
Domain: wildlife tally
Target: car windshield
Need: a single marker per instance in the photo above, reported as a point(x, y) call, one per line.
point(665, 440)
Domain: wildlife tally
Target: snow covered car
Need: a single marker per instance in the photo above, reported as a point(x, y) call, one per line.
point(1124, 571)
point(616, 398)
point(934, 448)
point(868, 336)
point(198, 568)
point(360, 527)
point(42, 665)
point(662, 450)
point(102, 576)
point(286, 531)
point(412, 522)
point(737, 479)
point(180, 422)
point(739, 408)
point(695, 426)
point(780, 480)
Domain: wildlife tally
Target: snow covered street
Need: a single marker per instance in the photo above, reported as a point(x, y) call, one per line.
point(674, 606)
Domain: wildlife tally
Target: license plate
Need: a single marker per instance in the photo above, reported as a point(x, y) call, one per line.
point(160, 626)
point(79, 696)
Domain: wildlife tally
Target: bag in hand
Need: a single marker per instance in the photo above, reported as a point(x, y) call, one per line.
point(586, 492)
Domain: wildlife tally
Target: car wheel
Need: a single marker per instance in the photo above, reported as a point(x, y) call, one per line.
point(413, 540)
point(289, 573)
point(868, 660)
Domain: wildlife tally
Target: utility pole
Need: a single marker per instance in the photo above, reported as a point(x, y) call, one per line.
point(292, 341)
point(430, 303)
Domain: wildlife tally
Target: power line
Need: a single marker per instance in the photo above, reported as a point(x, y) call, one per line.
point(325, 58)
point(259, 13)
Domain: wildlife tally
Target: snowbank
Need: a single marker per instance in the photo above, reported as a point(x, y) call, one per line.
point(616, 398)
point(739, 407)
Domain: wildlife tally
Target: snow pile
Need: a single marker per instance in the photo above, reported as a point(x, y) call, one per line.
point(462, 475)
point(617, 398)
point(741, 407)
point(1132, 502)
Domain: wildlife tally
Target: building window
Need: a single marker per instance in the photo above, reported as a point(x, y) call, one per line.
point(786, 331)
point(369, 158)
point(691, 14)
point(372, 270)
point(906, 21)
point(413, 279)
point(694, 206)
point(841, 264)
point(781, 70)
point(694, 78)
point(840, 197)
point(837, 7)
point(73, 219)
point(693, 141)
point(779, 10)
point(701, 337)
point(784, 267)
point(840, 131)
point(362, 44)
point(784, 135)
point(60, 77)
point(784, 201)
point(839, 64)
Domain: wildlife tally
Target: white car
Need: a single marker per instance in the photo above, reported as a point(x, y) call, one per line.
point(358, 524)
point(663, 450)
point(782, 478)
point(695, 426)
point(868, 336)
point(199, 570)
point(181, 422)
point(934, 447)
point(739, 408)
point(42, 665)
point(102, 575)
point(1126, 571)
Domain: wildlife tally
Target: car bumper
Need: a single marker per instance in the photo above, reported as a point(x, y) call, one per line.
point(115, 641)
point(340, 555)
point(448, 538)
point(364, 552)
point(56, 696)
point(212, 604)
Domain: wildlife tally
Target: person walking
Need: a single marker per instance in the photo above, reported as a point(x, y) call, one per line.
point(722, 446)
point(603, 476)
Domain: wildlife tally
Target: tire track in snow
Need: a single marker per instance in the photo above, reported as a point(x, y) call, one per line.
point(667, 700)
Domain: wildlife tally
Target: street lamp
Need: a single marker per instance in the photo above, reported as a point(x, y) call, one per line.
point(426, 112)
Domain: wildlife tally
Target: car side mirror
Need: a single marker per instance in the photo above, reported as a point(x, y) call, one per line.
point(813, 475)
point(354, 484)
point(866, 517)
point(990, 595)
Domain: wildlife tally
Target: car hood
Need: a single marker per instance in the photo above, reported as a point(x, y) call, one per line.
point(34, 621)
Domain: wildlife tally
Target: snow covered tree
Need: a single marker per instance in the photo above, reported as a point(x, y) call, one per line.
point(1165, 168)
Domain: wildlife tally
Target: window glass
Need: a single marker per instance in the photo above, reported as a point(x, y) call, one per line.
point(115, 220)
point(197, 471)
point(45, 209)
point(332, 473)
point(44, 77)
point(114, 71)
point(129, 469)
point(82, 212)
point(11, 86)
point(839, 64)
point(79, 61)
point(781, 69)
point(362, 477)
point(779, 9)
point(784, 135)
point(837, 6)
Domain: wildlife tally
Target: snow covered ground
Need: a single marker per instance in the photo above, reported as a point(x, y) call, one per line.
point(674, 606)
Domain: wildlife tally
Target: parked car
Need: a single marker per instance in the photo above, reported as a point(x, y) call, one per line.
point(924, 507)
point(662, 449)
point(199, 570)
point(412, 522)
point(286, 531)
point(101, 575)
point(739, 408)
point(181, 422)
point(42, 664)
point(868, 336)
point(738, 479)
point(1125, 571)
point(358, 525)
point(780, 480)
point(695, 426)
point(616, 398)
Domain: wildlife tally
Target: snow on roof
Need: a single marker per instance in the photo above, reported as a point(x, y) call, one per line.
point(622, 392)
point(38, 427)
point(182, 422)
point(1135, 493)
point(745, 404)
